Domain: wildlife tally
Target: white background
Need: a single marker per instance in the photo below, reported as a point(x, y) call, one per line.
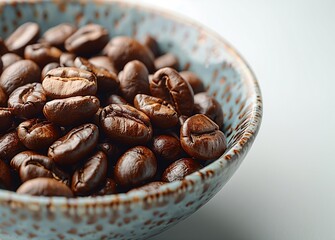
point(285, 188)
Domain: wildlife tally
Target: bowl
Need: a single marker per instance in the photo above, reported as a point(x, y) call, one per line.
point(139, 215)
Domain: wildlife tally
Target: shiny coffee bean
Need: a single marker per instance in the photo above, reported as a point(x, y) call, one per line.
point(195, 82)
point(104, 62)
point(20, 158)
point(23, 36)
point(171, 87)
point(167, 60)
point(57, 35)
point(67, 59)
point(75, 145)
point(134, 80)
point(67, 82)
point(87, 40)
point(125, 124)
point(45, 187)
point(108, 188)
point(27, 101)
point(19, 74)
point(5, 176)
point(151, 43)
point(42, 54)
point(160, 112)
point(201, 138)
point(6, 119)
point(77, 109)
point(166, 148)
point(135, 167)
point(92, 174)
point(180, 169)
point(208, 105)
point(149, 187)
point(3, 47)
point(36, 166)
point(38, 134)
point(114, 99)
point(48, 67)
point(3, 98)
point(10, 145)
point(124, 49)
point(107, 81)
point(8, 59)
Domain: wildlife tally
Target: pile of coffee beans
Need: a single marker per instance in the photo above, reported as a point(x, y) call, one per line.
point(85, 115)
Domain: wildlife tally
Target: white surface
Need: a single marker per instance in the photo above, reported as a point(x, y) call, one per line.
point(284, 189)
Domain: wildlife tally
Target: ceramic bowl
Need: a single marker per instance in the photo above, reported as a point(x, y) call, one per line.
point(139, 215)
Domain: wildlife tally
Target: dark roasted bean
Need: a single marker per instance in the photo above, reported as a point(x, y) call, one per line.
point(104, 62)
point(67, 59)
point(171, 87)
point(45, 187)
point(67, 82)
point(133, 80)
point(23, 36)
point(19, 158)
point(10, 145)
point(135, 167)
point(208, 105)
point(87, 40)
point(75, 145)
point(92, 174)
point(160, 112)
point(19, 74)
point(125, 124)
point(5, 176)
point(6, 119)
point(3, 98)
point(180, 169)
point(167, 148)
point(152, 44)
point(78, 109)
point(38, 134)
point(167, 60)
point(42, 54)
point(57, 35)
point(201, 138)
point(47, 68)
point(8, 59)
point(108, 188)
point(124, 49)
point(149, 187)
point(27, 101)
point(3, 48)
point(195, 82)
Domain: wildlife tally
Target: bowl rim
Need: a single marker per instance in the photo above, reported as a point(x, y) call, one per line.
point(232, 155)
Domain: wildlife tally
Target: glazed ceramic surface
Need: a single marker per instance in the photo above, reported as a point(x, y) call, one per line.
point(139, 215)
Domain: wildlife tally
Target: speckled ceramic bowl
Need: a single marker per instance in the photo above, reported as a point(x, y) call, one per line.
point(139, 215)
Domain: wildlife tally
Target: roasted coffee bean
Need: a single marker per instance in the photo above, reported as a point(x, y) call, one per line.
point(57, 35)
point(8, 59)
point(19, 159)
point(167, 60)
point(152, 44)
point(27, 101)
point(160, 112)
point(134, 80)
point(67, 59)
point(3, 98)
point(36, 166)
point(5, 176)
point(45, 187)
point(135, 167)
point(78, 109)
point(201, 138)
point(124, 49)
point(87, 40)
point(75, 145)
point(3, 48)
point(108, 188)
point(114, 99)
point(107, 81)
point(19, 74)
point(149, 187)
point(208, 105)
point(10, 145)
point(67, 82)
point(171, 87)
point(92, 174)
point(23, 36)
point(104, 62)
point(42, 54)
point(38, 134)
point(6, 119)
point(48, 67)
point(166, 148)
point(195, 82)
point(180, 169)
point(125, 124)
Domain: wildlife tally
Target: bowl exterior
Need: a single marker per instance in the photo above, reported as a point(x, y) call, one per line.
point(139, 215)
